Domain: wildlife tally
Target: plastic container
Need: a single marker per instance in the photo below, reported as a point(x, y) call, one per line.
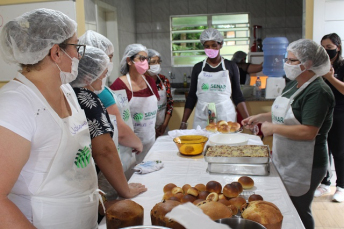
point(274, 49)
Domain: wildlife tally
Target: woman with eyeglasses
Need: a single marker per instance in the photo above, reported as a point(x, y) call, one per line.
point(142, 94)
point(104, 138)
point(165, 104)
point(299, 121)
point(116, 103)
point(47, 174)
point(335, 79)
point(215, 80)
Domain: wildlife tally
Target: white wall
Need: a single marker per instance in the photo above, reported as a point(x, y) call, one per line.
point(328, 18)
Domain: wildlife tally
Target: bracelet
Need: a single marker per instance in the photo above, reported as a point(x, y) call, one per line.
point(184, 123)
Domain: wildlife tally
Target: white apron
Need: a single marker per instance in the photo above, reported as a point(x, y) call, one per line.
point(292, 158)
point(214, 87)
point(67, 198)
point(143, 112)
point(162, 105)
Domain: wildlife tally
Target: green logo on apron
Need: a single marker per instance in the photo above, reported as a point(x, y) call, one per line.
point(126, 115)
point(205, 87)
point(82, 158)
point(138, 117)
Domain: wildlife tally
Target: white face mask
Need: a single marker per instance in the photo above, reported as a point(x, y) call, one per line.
point(67, 77)
point(110, 68)
point(292, 71)
point(154, 69)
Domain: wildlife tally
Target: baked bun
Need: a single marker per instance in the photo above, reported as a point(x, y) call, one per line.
point(254, 197)
point(225, 202)
point(265, 213)
point(224, 129)
point(174, 198)
point(235, 125)
point(215, 210)
point(159, 211)
point(246, 182)
point(179, 195)
point(124, 213)
point(203, 195)
point(169, 187)
point(211, 128)
point(192, 191)
point(167, 195)
point(230, 191)
point(186, 187)
point(237, 202)
point(214, 186)
point(176, 190)
point(188, 198)
point(232, 129)
point(238, 185)
point(222, 122)
point(197, 201)
point(200, 187)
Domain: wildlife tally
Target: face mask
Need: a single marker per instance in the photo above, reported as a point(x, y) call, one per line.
point(154, 69)
point(211, 53)
point(331, 53)
point(67, 77)
point(141, 67)
point(292, 71)
point(110, 68)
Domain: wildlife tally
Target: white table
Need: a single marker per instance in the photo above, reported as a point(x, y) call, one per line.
point(182, 170)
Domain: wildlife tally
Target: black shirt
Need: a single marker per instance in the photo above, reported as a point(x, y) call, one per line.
point(339, 97)
point(234, 77)
point(97, 117)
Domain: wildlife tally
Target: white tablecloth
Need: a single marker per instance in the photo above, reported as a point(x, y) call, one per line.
point(182, 170)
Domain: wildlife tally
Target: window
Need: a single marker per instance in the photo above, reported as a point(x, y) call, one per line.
point(187, 49)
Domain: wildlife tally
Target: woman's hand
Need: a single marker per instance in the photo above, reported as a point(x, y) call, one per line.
point(136, 189)
point(160, 130)
point(183, 126)
point(250, 122)
point(330, 74)
point(138, 149)
point(267, 128)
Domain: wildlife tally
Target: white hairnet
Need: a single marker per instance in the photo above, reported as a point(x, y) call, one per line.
point(211, 34)
point(91, 66)
point(130, 51)
point(153, 53)
point(238, 56)
point(28, 38)
point(311, 55)
point(97, 40)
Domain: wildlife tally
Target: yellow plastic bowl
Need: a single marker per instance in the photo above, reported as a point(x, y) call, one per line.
point(190, 145)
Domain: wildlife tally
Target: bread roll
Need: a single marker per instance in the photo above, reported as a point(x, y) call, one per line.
point(174, 198)
point(186, 187)
point(237, 202)
point(213, 186)
point(265, 213)
point(224, 201)
point(254, 197)
point(236, 125)
point(224, 129)
point(179, 195)
point(230, 191)
point(232, 130)
point(192, 191)
point(159, 211)
point(169, 187)
point(215, 210)
point(188, 198)
point(203, 195)
point(246, 182)
point(200, 187)
point(221, 122)
point(124, 213)
point(167, 195)
point(238, 185)
point(176, 190)
point(211, 128)
point(197, 201)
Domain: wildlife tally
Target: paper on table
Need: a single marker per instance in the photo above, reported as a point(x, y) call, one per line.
point(192, 217)
point(197, 131)
point(254, 142)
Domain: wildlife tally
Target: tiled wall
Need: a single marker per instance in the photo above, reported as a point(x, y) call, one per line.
point(278, 18)
point(126, 20)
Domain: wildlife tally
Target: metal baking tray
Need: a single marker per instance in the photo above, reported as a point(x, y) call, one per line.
point(237, 160)
point(240, 169)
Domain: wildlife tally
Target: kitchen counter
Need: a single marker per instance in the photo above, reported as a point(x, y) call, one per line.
point(182, 170)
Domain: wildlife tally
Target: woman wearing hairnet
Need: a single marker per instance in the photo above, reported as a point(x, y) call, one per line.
point(142, 94)
point(214, 80)
point(245, 69)
point(299, 121)
point(92, 69)
point(48, 178)
point(165, 104)
point(116, 103)
point(335, 79)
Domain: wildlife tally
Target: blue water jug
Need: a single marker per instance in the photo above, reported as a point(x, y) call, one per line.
point(274, 49)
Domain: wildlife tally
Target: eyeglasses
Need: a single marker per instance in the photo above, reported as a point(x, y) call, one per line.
point(290, 61)
point(142, 58)
point(79, 48)
point(152, 62)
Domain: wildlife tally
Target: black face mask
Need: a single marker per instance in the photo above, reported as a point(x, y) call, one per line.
point(331, 53)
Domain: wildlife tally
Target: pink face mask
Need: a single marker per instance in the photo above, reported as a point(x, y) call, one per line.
point(141, 67)
point(212, 53)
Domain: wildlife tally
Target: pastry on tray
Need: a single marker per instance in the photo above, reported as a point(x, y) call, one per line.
point(237, 151)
